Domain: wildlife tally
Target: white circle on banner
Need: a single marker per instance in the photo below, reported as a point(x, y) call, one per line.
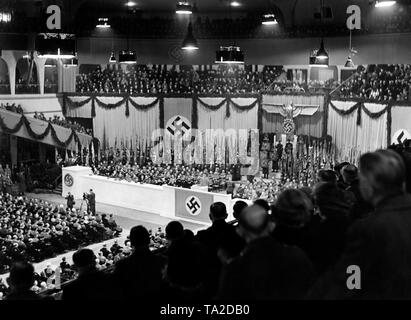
point(193, 205)
point(400, 136)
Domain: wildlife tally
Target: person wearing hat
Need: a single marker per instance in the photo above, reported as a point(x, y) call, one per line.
point(266, 269)
point(360, 208)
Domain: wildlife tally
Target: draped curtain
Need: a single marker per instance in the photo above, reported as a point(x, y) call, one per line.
point(214, 117)
point(357, 128)
point(372, 133)
point(113, 128)
point(343, 130)
point(78, 107)
point(241, 113)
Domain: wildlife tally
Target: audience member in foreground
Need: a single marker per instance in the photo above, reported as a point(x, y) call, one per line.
point(139, 276)
point(90, 284)
point(380, 245)
point(20, 281)
point(266, 269)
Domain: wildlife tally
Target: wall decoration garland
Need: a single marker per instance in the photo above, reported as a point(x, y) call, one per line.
point(49, 130)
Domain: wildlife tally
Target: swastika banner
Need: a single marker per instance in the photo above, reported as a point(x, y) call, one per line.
point(193, 205)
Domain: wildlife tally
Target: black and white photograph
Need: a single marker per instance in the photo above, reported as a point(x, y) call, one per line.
point(202, 158)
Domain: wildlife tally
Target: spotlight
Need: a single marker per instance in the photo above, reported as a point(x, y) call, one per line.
point(103, 23)
point(384, 3)
point(235, 4)
point(184, 8)
point(130, 4)
point(127, 57)
point(269, 19)
point(190, 43)
point(229, 55)
point(112, 58)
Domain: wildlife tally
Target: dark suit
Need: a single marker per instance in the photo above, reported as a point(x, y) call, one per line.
point(326, 241)
point(381, 246)
point(267, 270)
point(213, 236)
point(70, 201)
point(95, 285)
point(140, 275)
point(92, 202)
point(360, 208)
point(219, 235)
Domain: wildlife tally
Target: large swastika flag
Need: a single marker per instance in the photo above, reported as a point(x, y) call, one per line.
point(193, 205)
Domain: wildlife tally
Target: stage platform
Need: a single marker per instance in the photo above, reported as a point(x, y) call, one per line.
point(161, 201)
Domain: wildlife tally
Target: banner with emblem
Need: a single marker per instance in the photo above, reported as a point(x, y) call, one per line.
point(193, 205)
point(177, 114)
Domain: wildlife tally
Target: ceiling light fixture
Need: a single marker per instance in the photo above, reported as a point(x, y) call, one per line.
point(321, 53)
point(235, 4)
point(349, 63)
point(103, 23)
point(5, 17)
point(190, 42)
point(56, 46)
point(384, 3)
point(130, 4)
point(184, 8)
point(112, 58)
point(127, 57)
point(229, 55)
point(269, 20)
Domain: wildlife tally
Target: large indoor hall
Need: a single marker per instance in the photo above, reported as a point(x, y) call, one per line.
point(178, 154)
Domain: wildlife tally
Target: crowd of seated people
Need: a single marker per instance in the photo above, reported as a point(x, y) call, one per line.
point(157, 79)
point(142, 79)
point(106, 258)
point(4, 87)
point(35, 230)
point(12, 107)
point(63, 122)
point(299, 247)
point(184, 176)
point(380, 83)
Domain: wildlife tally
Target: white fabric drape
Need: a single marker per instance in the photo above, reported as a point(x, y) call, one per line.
point(372, 133)
point(352, 140)
point(112, 127)
point(216, 119)
point(242, 119)
point(211, 119)
point(80, 112)
point(343, 130)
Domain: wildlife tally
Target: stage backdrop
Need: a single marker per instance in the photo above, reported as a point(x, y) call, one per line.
point(308, 122)
point(357, 127)
point(129, 121)
point(400, 123)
